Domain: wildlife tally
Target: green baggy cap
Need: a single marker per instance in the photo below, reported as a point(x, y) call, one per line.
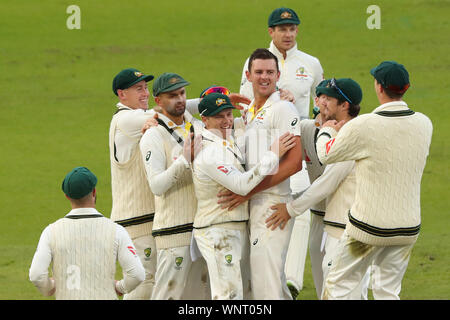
point(213, 103)
point(168, 82)
point(79, 182)
point(283, 16)
point(349, 87)
point(392, 75)
point(128, 77)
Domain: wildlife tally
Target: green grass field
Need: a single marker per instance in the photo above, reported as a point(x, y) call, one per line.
point(57, 101)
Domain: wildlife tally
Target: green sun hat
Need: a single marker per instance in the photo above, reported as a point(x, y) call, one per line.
point(168, 82)
point(213, 103)
point(79, 182)
point(128, 77)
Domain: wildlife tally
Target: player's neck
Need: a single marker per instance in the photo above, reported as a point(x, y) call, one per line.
point(260, 100)
point(177, 119)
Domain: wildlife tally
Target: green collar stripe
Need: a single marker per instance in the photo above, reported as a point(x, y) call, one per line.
point(173, 230)
point(84, 216)
point(399, 113)
point(317, 212)
point(381, 232)
point(334, 224)
point(136, 220)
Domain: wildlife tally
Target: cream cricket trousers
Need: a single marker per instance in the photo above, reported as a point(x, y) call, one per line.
point(298, 244)
point(222, 250)
point(268, 250)
point(361, 290)
point(316, 255)
point(146, 250)
point(177, 277)
point(351, 262)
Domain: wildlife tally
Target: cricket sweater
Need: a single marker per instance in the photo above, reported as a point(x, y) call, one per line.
point(133, 204)
point(390, 147)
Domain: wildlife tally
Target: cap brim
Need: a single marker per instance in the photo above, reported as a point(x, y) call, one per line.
point(329, 92)
point(175, 86)
point(372, 71)
point(223, 107)
point(287, 21)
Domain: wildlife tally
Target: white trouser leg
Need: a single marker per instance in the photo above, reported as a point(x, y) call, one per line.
point(221, 248)
point(389, 267)
point(298, 244)
point(315, 254)
point(146, 250)
point(347, 267)
point(172, 271)
point(360, 291)
point(268, 251)
point(197, 284)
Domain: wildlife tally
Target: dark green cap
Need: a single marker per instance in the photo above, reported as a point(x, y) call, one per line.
point(322, 83)
point(349, 89)
point(392, 75)
point(168, 82)
point(283, 16)
point(79, 182)
point(128, 77)
point(213, 103)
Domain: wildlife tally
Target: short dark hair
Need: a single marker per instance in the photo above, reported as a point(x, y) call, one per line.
point(393, 95)
point(263, 54)
point(353, 109)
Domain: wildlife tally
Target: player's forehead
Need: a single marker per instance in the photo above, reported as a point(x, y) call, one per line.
point(139, 85)
point(285, 27)
point(264, 64)
point(175, 92)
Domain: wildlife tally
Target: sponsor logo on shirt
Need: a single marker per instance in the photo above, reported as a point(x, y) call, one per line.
point(178, 262)
point(228, 259)
point(225, 169)
point(147, 157)
point(132, 250)
point(147, 253)
point(328, 145)
point(294, 122)
point(300, 73)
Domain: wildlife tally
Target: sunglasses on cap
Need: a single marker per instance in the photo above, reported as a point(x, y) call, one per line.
point(213, 89)
point(335, 86)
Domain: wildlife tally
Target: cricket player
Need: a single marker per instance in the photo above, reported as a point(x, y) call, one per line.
point(267, 118)
point(133, 204)
point(170, 179)
point(335, 187)
point(83, 248)
point(221, 235)
point(389, 147)
point(300, 74)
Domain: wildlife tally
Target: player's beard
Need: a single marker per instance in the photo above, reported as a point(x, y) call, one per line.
point(176, 110)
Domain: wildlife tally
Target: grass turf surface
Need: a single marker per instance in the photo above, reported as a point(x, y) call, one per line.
point(57, 100)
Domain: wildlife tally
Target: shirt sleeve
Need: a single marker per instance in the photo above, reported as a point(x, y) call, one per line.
point(348, 144)
point(246, 88)
point(159, 177)
point(192, 105)
point(321, 188)
point(131, 123)
point(286, 119)
point(38, 272)
point(133, 270)
point(226, 174)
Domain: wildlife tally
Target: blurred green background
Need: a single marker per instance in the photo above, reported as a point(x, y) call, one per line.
point(57, 102)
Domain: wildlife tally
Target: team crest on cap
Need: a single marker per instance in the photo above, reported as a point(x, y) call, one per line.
point(173, 80)
point(138, 74)
point(286, 15)
point(220, 101)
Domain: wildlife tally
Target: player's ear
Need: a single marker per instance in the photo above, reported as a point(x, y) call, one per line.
point(271, 31)
point(247, 74)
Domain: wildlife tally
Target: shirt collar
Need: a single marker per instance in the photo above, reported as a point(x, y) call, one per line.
point(121, 105)
point(275, 51)
point(187, 118)
point(83, 211)
point(214, 137)
point(392, 106)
